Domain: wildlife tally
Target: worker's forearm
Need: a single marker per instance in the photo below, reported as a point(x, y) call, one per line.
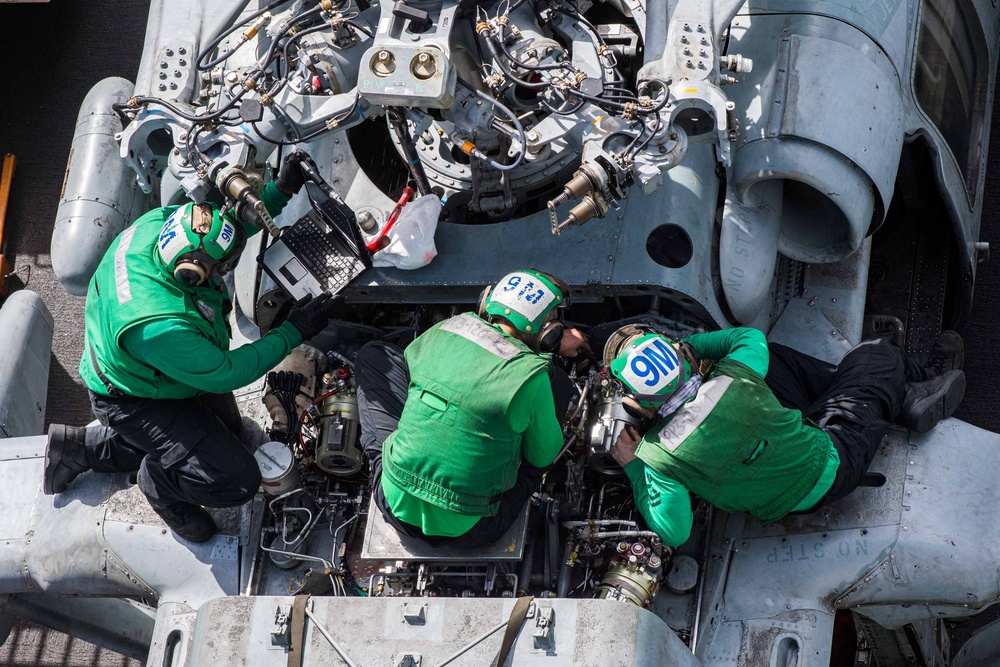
point(664, 503)
point(206, 367)
point(745, 345)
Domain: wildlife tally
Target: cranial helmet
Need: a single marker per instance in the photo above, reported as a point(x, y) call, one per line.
point(648, 364)
point(528, 299)
point(197, 244)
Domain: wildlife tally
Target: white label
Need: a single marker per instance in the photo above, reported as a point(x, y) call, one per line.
point(226, 236)
point(122, 284)
point(482, 334)
point(172, 240)
point(524, 294)
point(651, 367)
point(693, 413)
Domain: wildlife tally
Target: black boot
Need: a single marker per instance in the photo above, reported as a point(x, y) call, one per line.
point(948, 353)
point(65, 457)
point(189, 521)
point(927, 403)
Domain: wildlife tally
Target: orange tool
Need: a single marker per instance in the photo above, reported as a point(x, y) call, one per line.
point(382, 240)
point(6, 177)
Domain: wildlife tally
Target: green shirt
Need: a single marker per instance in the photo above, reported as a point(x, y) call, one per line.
point(204, 365)
point(153, 337)
point(479, 402)
point(532, 412)
point(665, 502)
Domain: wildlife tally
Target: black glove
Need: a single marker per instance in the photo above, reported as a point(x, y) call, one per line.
point(290, 178)
point(310, 316)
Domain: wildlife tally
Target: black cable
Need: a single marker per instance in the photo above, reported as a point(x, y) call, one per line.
point(226, 33)
point(311, 135)
point(361, 28)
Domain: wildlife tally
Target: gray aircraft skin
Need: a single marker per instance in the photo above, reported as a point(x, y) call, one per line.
point(796, 166)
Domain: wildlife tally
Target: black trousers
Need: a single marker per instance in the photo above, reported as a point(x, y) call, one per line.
point(854, 402)
point(382, 379)
point(184, 450)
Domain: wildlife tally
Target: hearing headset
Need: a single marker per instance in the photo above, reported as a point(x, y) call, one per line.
point(631, 400)
point(546, 340)
point(195, 267)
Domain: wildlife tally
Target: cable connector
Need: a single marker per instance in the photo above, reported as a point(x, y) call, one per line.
point(256, 26)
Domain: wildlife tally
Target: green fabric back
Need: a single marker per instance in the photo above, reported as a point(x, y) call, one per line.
point(737, 447)
point(454, 446)
point(129, 288)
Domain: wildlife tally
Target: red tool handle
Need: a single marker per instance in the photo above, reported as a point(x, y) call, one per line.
point(378, 244)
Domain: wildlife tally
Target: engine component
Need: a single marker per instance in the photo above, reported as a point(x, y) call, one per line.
point(278, 472)
point(338, 451)
point(610, 419)
point(633, 576)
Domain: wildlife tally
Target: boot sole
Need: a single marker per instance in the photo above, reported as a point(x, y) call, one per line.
point(939, 405)
point(54, 451)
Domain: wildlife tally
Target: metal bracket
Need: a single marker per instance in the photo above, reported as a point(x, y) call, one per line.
point(281, 631)
point(414, 614)
point(544, 637)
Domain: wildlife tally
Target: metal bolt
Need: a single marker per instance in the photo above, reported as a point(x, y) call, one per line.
point(383, 56)
point(163, 64)
point(904, 528)
point(182, 62)
point(182, 51)
point(611, 258)
point(163, 75)
point(685, 40)
point(423, 58)
point(687, 51)
point(163, 86)
point(169, 52)
point(533, 136)
point(690, 65)
point(703, 53)
point(173, 86)
point(687, 27)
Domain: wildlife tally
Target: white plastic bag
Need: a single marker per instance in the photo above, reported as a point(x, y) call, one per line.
point(412, 237)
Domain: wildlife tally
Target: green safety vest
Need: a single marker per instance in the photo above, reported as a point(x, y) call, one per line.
point(734, 445)
point(454, 446)
point(129, 288)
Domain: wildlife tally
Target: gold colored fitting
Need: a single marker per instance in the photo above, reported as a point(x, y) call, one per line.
point(482, 27)
point(332, 124)
point(629, 113)
point(265, 99)
point(249, 84)
point(327, 5)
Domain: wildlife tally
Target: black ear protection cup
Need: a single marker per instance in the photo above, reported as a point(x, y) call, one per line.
point(481, 306)
point(190, 273)
point(633, 408)
point(550, 337)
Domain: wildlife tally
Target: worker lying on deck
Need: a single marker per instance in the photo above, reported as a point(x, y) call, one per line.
point(158, 366)
point(765, 429)
point(460, 430)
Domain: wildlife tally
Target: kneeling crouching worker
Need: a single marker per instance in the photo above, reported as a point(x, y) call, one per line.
point(158, 367)
point(766, 429)
point(460, 429)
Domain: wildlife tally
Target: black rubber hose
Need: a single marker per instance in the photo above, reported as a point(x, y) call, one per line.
point(397, 121)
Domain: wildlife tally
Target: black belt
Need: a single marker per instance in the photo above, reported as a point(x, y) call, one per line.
point(113, 391)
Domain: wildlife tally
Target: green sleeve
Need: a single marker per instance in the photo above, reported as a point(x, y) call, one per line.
point(664, 503)
point(274, 201)
point(742, 344)
point(532, 412)
point(179, 351)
